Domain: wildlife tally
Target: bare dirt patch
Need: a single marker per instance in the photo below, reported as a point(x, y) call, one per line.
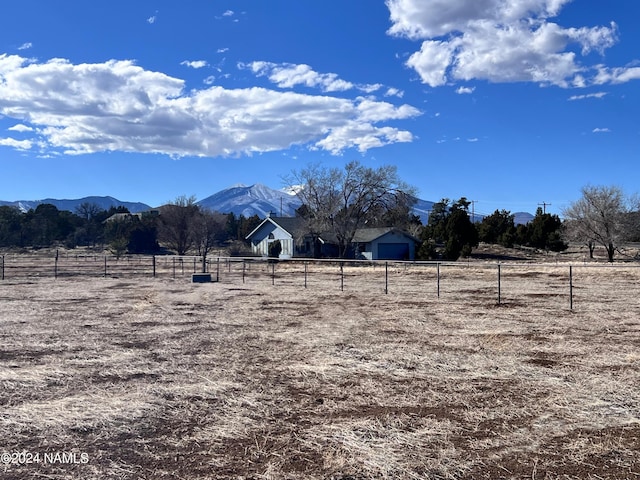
point(162, 378)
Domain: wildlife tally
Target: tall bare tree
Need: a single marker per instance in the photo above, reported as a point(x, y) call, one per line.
point(208, 230)
point(175, 224)
point(601, 217)
point(90, 214)
point(342, 201)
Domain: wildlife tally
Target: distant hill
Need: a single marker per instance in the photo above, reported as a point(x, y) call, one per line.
point(522, 218)
point(103, 202)
point(422, 209)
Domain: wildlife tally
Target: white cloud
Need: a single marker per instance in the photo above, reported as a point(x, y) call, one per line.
point(228, 13)
point(370, 88)
point(210, 80)
point(289, 75)
point(375, 111)
point(119, 106)
point(616, 75)
point(500, 41)
point(362, 136)
point(472, 140)
point(20, 128)
point(195, 63)
point(25, 46)
point(394, 92)
point(601, 130)
point(222, 50)
point(151, 20)
point(17, 144)
point(588, 95)
point(465, 90)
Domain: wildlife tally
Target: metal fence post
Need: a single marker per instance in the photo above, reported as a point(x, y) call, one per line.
point(342, 276)
point(153, 261)
point(386, 277)
point(438, 276)
point(571, 287)
point(305, 274)
point(2, 267)
point(499, 284)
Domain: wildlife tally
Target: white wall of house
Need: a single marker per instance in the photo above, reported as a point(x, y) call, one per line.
point(269, 233)
point(366, 253)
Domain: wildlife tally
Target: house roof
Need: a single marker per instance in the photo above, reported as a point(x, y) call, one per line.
point(295, 226)
point(366, 235)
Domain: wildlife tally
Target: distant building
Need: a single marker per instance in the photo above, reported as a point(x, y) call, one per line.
point(119, 217)
point(296, 241)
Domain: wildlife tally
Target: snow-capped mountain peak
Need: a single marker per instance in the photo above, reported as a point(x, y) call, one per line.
point(292, 189)
point(257, 199)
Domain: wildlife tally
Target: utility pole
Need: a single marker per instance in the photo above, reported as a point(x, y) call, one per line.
point(544, 206)
point(473, 211)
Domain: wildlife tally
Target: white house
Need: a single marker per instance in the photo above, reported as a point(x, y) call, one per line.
point(285, 229)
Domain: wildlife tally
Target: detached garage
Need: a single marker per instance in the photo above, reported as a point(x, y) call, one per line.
point(393, 251)
point(384, 244)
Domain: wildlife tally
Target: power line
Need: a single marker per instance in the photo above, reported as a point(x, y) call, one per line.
point(473, 210)
point(544, 206)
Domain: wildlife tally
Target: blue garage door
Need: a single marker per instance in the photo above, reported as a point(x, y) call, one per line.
point(393, 251)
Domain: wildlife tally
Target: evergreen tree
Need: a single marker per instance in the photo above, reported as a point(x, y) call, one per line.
point(449, 231)
point(498, 228)
point(45, 225)
point(275, 248)
point(10, 227)
point(545, 232)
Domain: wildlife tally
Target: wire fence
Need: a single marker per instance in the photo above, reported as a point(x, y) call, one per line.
point(560, 285)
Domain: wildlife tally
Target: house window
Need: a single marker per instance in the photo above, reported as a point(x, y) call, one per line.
point(272, 236)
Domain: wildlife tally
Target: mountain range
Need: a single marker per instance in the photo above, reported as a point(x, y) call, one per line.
point(104, 203)
point(239, 199)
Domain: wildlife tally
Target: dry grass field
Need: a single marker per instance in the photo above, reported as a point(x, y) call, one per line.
point(159, 378)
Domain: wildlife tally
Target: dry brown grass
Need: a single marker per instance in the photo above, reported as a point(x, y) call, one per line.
point(162, 378)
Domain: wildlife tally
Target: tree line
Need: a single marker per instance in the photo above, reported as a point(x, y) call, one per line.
point(335, 204)
point(180, 227)
point(451, 234)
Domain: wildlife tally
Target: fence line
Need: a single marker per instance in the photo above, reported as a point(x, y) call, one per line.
point(499, 282)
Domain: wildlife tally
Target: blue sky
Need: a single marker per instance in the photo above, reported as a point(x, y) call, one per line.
point(509, 103)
